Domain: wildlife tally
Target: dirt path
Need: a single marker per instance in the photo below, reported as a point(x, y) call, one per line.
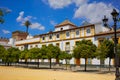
point(12, 73)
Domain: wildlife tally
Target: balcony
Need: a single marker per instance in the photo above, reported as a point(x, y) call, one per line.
point(28, 41)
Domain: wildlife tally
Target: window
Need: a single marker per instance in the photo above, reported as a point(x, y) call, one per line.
point(50, 37)
point(21, 48)
point(36, 46)
point(67, 48)
point(67, 43)
point(43, 45)
point(77, 32)
point(89, 61)
point(43, 38)
point(57, 44)
point(31, 46)
point(57, 35)
point(61, 29)
point(77, 43)
point(67, 34)
point(88, 30)
point(100, 41)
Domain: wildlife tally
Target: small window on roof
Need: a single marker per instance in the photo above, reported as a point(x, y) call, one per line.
point(61, 29)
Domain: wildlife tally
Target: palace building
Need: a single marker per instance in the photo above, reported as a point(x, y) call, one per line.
point(65, 36)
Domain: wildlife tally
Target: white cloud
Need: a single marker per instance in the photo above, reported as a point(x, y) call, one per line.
point(20, 17)
point(79, 2)
point(58, 4)
point(94, 12)
point(53, 23)
point(5, 31)
point(55, 4)
point(34, 25)
point(37, 26)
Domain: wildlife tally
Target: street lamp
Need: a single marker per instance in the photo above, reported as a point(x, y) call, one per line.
point(115, 19)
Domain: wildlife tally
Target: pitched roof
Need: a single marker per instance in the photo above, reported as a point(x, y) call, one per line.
point(65, 22)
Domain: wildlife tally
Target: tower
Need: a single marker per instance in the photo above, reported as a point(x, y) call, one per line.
point(19, 35)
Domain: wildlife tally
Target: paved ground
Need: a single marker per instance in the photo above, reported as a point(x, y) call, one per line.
point(13, 73)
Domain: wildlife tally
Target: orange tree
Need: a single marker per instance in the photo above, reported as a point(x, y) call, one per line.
point(85, 49)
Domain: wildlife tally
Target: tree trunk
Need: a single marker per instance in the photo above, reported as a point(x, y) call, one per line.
point(57, 61)
point(26, 62)
point(50, 63)
point(38, 63)
point(109, 63)
point(66, 63)
point(7, 63)
point(27, 29)
point(85, 63)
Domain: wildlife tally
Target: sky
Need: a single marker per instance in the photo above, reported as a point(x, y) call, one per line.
point(45, 14)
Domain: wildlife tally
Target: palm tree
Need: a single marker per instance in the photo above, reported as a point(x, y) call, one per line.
point(1, 15)
point(3, 11)
point(27, 24)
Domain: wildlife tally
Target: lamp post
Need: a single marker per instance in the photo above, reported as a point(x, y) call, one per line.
point(115, 19)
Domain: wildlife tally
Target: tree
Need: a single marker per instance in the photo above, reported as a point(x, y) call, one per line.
point(3, 11)
point(66, 56)
point(27, 24)
point(12, 55)
point(50, 53)
point(77, 54)
point(1, 17)
point(101, 53)
point(110, 45)
point(2, 51)
point(85, 49)
point(25, 55)
point(43, 52)
point(56, 53)
point(35, 54)
point(118, 49)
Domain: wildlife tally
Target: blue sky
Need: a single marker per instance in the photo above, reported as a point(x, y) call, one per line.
point(45, 14)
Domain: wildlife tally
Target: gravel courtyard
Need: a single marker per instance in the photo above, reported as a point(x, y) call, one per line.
point(13, 73)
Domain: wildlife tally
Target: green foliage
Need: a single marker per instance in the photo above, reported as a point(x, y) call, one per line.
point(25, 54)
point(3, 11)
point(118, 49)
point(84, 49)
point(50, 51)
point(77, 52)
point(43, 52)
point(35, 53)
point(1, 16)
point(106, 49)
point(27, 24)
point(11, 55)
point(2, 51)
point(65, 55)
point(101, 52)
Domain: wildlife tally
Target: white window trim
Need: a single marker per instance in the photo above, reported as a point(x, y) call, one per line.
point(66, 34)
point(76, 34)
